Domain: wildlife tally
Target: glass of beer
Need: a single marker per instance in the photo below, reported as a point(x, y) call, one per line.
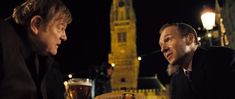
point(79, 88)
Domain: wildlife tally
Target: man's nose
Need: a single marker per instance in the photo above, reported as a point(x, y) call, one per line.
point(64, 37)
point(164, 48)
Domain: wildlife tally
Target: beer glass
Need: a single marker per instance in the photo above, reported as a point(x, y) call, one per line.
point(79, 88)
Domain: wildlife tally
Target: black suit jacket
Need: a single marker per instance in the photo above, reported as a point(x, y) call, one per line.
point(55, 85)
point(213, 76)
point(20, 76)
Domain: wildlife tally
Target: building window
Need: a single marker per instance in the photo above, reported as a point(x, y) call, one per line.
point(122, 37)
point(123, 80)
point(121, 3)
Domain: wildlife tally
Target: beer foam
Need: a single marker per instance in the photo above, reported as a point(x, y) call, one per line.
point(80, 81)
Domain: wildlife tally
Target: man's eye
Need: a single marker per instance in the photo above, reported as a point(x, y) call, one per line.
point(61, 28)
point(167, 39)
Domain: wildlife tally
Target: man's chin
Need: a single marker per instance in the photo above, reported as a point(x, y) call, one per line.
point(53, 53)
point(172, 62)
point(50, 52)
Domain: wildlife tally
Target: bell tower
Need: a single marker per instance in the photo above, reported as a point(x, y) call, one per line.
point(123, 45)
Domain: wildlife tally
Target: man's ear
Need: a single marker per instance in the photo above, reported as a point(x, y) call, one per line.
point(35, 23)
point(190, 39)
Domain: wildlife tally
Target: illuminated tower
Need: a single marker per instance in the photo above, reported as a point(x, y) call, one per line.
point(123, 45)
point(219, 21)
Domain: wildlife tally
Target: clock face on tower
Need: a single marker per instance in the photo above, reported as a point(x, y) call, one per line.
point(121, 4)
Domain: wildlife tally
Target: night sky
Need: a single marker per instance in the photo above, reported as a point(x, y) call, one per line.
point(88, 41)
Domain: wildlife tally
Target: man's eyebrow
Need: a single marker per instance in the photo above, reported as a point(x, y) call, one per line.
point(167, 35)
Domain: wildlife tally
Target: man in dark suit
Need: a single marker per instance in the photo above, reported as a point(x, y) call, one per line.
point(203, 73)
point(27, 40)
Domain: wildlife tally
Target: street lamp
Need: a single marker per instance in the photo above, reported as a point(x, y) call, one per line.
point(112, 64)
point(70, 75)
point(208, 22)
point(139, 58)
